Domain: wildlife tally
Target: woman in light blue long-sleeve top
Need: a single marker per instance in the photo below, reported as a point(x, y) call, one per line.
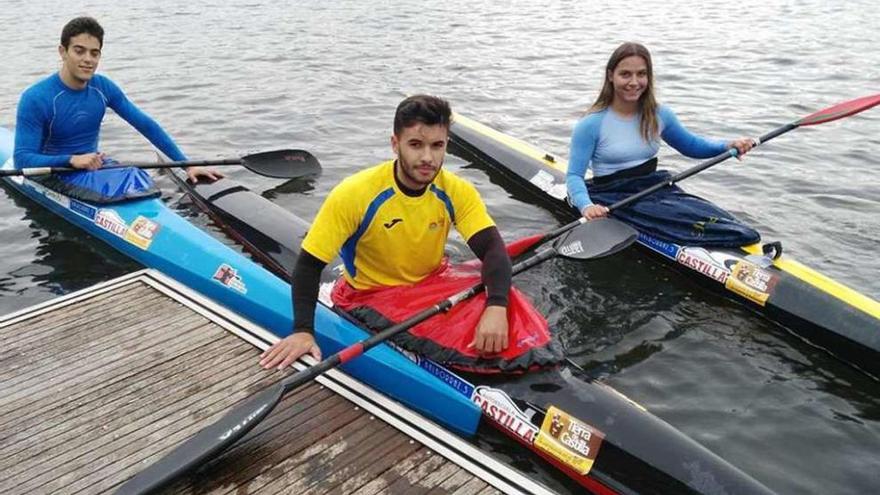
point(620, 136)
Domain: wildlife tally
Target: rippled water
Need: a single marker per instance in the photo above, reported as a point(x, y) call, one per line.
point(227, 78)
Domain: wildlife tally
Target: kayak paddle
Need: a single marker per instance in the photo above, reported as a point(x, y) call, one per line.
point(594, 240)
point(280, 164)
point(829, 114)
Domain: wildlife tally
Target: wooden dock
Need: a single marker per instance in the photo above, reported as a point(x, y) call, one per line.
point(97, 385)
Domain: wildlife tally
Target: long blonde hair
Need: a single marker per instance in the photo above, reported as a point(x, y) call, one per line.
point(647, 103)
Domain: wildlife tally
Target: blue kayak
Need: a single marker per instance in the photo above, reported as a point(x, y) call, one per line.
point(155, 236)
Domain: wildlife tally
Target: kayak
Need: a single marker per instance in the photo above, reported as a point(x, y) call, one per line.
point(582, 427)
point(155, 236)
point(824, 312)
point(601, 439)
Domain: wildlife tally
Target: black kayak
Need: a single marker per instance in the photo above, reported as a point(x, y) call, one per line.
point(805, 302)
point(596, 436)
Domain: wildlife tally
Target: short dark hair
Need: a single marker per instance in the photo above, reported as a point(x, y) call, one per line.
point(425, 109)
point(80, 25)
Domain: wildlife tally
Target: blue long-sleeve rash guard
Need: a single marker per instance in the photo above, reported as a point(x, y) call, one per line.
point(55, 121)
point(609, 143)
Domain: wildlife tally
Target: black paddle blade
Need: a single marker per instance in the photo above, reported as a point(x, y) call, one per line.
point(205, 444)
point(283, 164)
point(595, 239)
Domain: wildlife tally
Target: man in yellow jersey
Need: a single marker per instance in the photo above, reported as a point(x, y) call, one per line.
point(390, 222)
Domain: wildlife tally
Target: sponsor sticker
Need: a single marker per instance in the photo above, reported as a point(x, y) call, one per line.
point(142, 232)
point(547, 183)
point(573, 442)
point(700, 260)
point(83, 209)
point(446, 376)
point(665, 248)
point(53, 195)
point(228, 276)
point(57, 197)
point(110, 221)
point(752, 282)
point(501, 409)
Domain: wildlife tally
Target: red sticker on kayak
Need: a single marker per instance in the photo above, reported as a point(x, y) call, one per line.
point(142, 232)
point(501, 409)
point(228, 276)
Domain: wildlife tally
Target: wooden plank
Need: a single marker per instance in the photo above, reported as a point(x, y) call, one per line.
point(372, 468)
point(101, 448)
point(364, 463)
point(65, 393)
point(118, 391)
point(354, 452)
point(126, 466)
point(48, 362)
point(93, 332)
point(65, 336)
point(68, 335)
point(452, 482)
point(114, 410)
point(140, 354)
point(475, 486)
point(68, 309)
point(34, 330)
point(309, 466)
point(383, 483)
point(412, 480)
point(433, 481)
point(266, 447)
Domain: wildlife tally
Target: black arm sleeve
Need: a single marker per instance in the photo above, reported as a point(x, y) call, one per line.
point(489, 247)
point(306, 281)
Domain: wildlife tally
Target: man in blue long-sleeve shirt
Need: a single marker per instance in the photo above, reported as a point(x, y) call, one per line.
point(59, 118)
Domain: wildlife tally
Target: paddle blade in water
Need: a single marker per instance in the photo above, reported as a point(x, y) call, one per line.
point(283, 164)
point(595, 239)
point(840, 110)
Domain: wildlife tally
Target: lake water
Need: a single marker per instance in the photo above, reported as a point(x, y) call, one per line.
point(228, 78)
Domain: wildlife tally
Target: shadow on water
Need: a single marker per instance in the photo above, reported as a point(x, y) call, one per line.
point(65, 258)
point(299, 185)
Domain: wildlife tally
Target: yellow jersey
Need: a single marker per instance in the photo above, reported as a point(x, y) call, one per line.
point(386, 238)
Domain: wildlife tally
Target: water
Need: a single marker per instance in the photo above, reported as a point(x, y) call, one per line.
point(229, 78)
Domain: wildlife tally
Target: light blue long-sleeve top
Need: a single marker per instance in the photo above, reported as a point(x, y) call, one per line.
point(608, 142)
point(55, 121)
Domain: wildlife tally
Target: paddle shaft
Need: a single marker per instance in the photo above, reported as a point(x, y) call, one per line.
point(732, 152)
point(33, 171)
point(282, 164)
